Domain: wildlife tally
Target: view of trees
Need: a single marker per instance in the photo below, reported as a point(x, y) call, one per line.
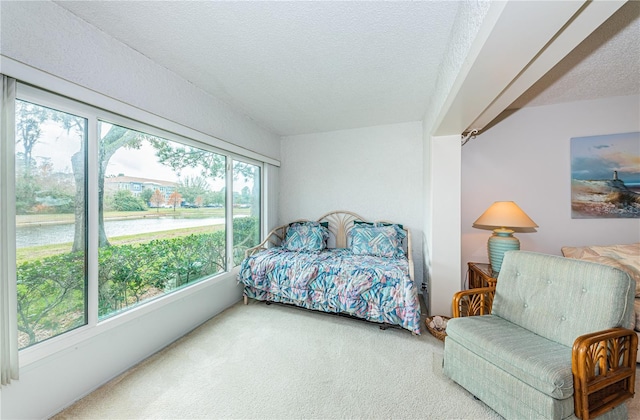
point(124, 200)
point(38, 188)
point(175, 199)
point(157, 199)
point(51, 284)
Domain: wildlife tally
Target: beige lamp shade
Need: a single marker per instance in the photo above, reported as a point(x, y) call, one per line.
point(505, 214)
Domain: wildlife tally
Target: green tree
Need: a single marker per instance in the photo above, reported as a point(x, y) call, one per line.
point(216, 198)
point(192, 187)
point(56, 189)
point(115, 138)
point(29, 130)
point(249, 173)
point(29, 119)
point(26, 191)
point(212, 165)
point(124, 200)
point(245, 195)
point(145, 195)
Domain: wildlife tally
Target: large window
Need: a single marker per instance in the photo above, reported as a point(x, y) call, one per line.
point(161, 222)
point(112, 214)
point(50, 196)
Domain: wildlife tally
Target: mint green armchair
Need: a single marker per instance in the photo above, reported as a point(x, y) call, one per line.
point(551, 342)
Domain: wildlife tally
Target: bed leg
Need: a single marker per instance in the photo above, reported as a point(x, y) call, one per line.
point(246, 299)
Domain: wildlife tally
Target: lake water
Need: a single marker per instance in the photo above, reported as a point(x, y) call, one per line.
point(57, 234)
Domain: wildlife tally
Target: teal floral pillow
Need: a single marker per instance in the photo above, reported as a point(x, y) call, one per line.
point(306, 237)
point(377, 240)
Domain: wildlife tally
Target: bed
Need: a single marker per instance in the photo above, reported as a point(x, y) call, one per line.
point(339, 264)
point(625, 257)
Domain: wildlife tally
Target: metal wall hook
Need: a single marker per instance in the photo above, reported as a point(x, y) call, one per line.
point(471, 134)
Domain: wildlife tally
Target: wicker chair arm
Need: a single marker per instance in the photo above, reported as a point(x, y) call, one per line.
point(604, 369)
point(473, 302)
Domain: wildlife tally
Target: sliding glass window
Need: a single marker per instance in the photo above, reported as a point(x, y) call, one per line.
point(161, 222)
point(51, 228)
point(112, 214)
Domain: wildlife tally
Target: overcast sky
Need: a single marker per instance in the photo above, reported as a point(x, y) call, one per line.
point(58, 145)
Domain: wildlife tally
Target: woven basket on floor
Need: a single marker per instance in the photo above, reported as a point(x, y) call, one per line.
point(439, 334)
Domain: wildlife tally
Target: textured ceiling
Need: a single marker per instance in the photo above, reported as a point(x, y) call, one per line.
point(294, 67)
point(303, 67)
point(605, 64)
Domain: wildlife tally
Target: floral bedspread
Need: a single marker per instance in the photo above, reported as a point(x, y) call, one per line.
point(377, 289)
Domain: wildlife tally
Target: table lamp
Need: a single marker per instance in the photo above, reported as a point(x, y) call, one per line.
point(503, 215)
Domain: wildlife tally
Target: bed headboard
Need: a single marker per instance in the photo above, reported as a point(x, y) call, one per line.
point(340, 223)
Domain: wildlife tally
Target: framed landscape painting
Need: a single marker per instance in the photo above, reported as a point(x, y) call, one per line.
point(605, 176)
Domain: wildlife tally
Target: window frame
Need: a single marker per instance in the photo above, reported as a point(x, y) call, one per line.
point(93, 115)
point(40, 97)
point(236, 158)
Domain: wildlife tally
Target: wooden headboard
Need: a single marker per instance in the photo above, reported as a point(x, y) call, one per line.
point(340, 223)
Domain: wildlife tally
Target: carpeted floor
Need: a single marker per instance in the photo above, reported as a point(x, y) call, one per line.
point(276, 362)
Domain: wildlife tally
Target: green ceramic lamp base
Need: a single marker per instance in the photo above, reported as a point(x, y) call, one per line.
point(500, 242)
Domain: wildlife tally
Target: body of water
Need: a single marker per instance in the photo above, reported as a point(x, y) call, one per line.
point(33, 235)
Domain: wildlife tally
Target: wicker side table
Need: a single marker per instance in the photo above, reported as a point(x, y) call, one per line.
point(481, 275)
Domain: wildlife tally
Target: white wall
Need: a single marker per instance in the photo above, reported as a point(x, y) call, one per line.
point(441, 171)
point(48, 37)
point(525, 158)
point(45, 37)
point(445, 228)
point(375, 172)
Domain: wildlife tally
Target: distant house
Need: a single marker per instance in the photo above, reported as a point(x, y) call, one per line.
point(137, 185)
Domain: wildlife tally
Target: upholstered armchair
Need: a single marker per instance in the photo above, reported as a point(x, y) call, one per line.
point(550, 340)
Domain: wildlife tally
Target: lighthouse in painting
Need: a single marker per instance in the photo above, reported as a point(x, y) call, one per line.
point(605, 176)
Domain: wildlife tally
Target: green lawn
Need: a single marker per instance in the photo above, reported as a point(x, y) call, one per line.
point(42, 251)
point(25, 219)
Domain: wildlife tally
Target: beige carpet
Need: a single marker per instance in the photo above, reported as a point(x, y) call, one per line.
point(276, 362)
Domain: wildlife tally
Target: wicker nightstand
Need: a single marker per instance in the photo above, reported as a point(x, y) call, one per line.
point(480, 275)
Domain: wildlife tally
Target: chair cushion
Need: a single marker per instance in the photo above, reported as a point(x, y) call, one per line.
point(562, 298)
point(541, 363)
